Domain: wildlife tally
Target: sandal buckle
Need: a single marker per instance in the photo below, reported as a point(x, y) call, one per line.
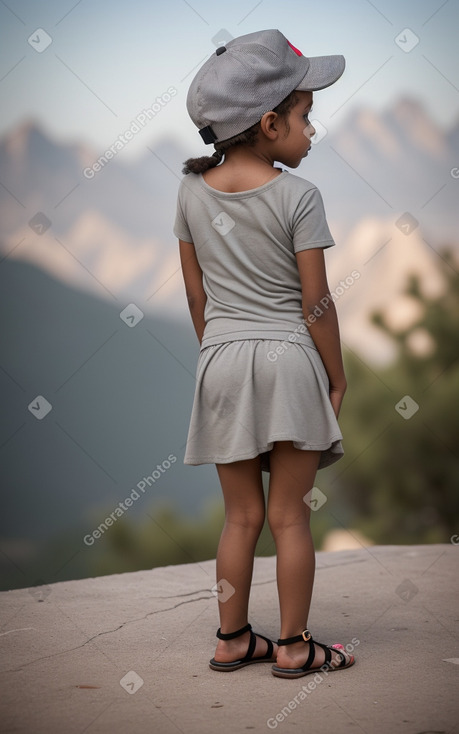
point(306, 635)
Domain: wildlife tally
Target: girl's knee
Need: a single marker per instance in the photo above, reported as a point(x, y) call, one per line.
point(280, 519)
point(250, 519)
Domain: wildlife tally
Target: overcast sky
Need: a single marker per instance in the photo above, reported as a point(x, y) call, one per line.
point(108, 61)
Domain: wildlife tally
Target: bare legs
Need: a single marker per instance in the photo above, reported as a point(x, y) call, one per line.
point(292, 476)
point(244, 517)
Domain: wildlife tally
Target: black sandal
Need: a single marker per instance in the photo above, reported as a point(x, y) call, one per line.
point(247, 659)
point(327, 666)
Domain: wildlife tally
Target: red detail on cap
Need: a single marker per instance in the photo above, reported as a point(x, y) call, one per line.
point(298, 53)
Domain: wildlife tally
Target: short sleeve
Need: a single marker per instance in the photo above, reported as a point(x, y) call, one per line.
point(310, 228)
point(181, 229)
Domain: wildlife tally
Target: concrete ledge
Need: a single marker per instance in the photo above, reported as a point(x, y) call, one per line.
point(66, 647)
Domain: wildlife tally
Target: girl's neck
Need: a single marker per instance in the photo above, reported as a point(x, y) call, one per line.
point(248, 158)
point(242, 169)
point(233, 180)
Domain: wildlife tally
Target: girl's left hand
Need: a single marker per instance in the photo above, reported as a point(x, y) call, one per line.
point(336, 398)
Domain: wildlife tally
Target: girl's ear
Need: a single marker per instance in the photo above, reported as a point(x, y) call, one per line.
point(269, 125)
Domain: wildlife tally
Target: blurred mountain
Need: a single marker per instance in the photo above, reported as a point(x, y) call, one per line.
point(111, 235)
point(120, 398)
point(40, 174)
point(75, 252)
point(386, 164)
point(391, 202)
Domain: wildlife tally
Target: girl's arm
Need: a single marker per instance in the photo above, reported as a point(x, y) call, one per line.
point(323, 324)
point(192, 276)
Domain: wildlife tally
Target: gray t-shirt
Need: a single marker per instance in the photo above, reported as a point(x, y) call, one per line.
point(245, 244)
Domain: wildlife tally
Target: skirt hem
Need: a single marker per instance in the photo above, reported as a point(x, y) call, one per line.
point(297, 443)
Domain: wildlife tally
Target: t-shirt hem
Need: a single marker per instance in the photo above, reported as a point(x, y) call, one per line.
point(291, 336)
point(185, 237)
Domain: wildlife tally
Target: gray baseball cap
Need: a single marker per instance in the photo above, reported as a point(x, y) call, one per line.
point(250, 75)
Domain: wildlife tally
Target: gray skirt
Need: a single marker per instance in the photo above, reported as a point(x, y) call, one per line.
point(252, 392)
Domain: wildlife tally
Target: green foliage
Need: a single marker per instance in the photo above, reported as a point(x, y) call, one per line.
point(397, 481)
point(401, 475)
point(396, 484)
point(167, 538)
point(164, 538)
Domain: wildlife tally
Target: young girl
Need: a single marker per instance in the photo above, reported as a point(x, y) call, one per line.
point(270, 376)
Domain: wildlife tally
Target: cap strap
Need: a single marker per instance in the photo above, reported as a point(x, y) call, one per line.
point(208, 135)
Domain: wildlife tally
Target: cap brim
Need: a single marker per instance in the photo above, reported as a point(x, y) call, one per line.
point(323, 71)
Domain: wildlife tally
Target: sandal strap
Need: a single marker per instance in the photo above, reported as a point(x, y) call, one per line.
point(252, 643)
point(231, 635)
point(270, 649)
point(251, 647)
point(307, 637)
point(328, 653)
point(304, 637)
point(328, 657)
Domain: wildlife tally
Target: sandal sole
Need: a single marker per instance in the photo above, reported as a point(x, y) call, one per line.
point(299, 673)
point(229, 667)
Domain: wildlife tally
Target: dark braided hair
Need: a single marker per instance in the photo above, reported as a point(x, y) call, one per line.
point(247, 137)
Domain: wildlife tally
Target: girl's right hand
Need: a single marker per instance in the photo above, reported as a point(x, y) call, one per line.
point(336, 397)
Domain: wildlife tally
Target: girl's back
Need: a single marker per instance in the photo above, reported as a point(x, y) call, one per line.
point(246, 242)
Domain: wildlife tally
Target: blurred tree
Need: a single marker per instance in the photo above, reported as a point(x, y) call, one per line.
point(402, 476)
point(168, 537)
point(396, 484)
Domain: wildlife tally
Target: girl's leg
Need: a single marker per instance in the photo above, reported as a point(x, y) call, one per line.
point(292, 477)
point(244, 517)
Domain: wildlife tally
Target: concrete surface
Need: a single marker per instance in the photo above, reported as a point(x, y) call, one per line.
point(65, 648)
